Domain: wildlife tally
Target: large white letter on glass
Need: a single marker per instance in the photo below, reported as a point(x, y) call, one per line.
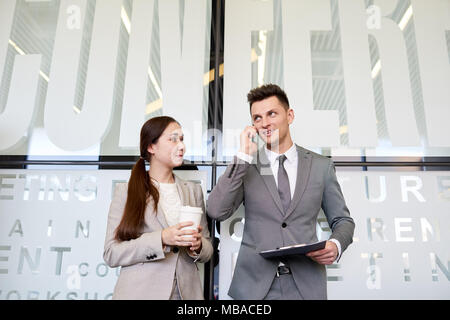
point(182, 65)
point(431, 19)
point(242, 17)
point(136, 78)
point(311, 128)
point(357, 74)
point(65, 128)
point(16, 117)
point(396, 84)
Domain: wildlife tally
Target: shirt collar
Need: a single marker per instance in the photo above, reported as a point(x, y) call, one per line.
point(291, 154)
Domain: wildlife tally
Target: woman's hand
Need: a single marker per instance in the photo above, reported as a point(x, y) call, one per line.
point(173, 236)
point(197, 243)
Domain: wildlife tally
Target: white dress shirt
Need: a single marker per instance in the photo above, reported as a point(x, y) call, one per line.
point(290, 165)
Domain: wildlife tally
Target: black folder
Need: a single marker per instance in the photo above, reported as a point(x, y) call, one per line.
point(293, 249)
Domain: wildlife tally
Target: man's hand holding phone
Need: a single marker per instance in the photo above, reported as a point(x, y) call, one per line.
point(248, 141)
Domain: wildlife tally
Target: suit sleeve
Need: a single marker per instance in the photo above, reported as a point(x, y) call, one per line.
point(146, 248)
point(228, 194)
point(336, 211)
point(207, 249)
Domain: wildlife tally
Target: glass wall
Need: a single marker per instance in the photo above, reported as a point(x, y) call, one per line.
point(368, 81)
point(365, 78)
point(91, 82)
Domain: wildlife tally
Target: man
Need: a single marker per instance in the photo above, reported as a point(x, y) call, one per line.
point(283, 186)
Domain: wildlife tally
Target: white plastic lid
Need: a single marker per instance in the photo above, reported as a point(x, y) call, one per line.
point(191, 209)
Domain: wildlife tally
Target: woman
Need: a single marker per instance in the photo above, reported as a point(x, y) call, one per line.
point(143, 234)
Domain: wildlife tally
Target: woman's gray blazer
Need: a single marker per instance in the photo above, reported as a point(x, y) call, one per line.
point(147, 270)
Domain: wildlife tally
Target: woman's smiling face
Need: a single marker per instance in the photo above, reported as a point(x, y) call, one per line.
point(170, 148)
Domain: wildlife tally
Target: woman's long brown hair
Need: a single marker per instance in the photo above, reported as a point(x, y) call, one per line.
point(140, 187)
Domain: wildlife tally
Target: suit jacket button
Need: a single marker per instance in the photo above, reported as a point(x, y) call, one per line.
point(284, 225)
point(175, 250)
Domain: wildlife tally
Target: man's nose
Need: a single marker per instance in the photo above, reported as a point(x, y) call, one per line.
point(265, 122)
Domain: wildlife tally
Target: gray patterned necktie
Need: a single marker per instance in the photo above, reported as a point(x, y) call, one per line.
point(283, 184)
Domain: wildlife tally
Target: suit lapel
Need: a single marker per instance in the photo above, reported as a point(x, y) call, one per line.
point(161, 218)
point(303, 170)
point(264, 169)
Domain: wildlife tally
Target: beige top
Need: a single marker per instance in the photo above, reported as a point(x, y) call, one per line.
point(170, 202)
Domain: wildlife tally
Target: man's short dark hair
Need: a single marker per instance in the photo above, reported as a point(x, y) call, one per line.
point(267, 91)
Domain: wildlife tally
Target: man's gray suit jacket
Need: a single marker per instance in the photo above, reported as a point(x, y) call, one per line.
point(267, 227)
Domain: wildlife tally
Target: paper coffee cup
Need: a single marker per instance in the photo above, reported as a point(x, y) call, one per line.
point(193, 214)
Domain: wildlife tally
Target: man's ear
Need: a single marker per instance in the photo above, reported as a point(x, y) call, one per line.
point(291, 115)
